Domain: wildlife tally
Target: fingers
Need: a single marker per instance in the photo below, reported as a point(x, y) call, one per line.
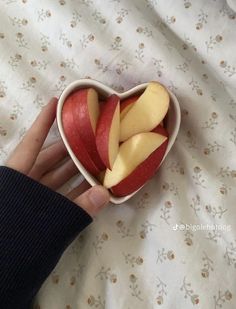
point(73, 194)
point(27, 151)
point(93, 200)
point(59, 176)
point(47, 160)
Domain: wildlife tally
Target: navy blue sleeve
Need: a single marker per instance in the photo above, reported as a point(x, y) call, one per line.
point(36, 226)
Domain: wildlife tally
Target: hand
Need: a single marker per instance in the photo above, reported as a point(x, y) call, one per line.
point(52, 166)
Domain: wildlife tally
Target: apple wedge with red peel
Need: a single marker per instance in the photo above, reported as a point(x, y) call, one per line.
point(137, 161)
point(147, 112)
point(74, 138)
point(100, 176)
point(126, 105)
point(86, 111)
point(108, 131)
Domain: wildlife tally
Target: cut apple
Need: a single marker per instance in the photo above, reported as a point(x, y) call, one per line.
point(86, 112)
point(144, 171)
point(140, 152)
point(108, 131)
point(126, 105)
point(147, 112)
point(100, 176)
point(74, 139)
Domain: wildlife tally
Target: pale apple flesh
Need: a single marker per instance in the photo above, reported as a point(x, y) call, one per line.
point(86, 113)
point(108, 131)
point(126, 105)
point(131, 154)
point(74, 140)
point(144, 171)
point(147, 112)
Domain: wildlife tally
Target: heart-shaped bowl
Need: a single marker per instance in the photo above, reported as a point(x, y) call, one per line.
point(172, 122)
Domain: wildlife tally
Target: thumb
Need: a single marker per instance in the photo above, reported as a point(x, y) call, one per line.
point(93, 200)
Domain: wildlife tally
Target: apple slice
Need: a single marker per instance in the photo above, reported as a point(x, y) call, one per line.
point(108, 131)
point(137, 161)
point(126, 105)
point(148, 111)
point(86, 112)
point(100, 176)
point(74, 138)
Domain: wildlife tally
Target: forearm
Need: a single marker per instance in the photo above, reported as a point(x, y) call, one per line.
point(36, 225)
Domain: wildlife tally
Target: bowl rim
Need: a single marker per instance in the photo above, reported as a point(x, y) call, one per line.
point(86, 83)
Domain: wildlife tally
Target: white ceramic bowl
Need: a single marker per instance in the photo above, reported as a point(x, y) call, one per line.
point(172, 123)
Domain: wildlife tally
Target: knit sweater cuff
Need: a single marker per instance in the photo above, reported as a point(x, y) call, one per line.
point(36, 225)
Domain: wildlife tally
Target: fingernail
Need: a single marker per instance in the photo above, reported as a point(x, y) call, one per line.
point(98, 196)
point(53, 100)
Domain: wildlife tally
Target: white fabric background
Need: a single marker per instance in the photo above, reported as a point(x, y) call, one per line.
point(131, 257)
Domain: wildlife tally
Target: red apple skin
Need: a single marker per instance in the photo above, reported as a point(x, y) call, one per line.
point(144, 171)
point(74, 139)
point(102, 104)
point(103, 128)
point(84, 126)
point(127, 102)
